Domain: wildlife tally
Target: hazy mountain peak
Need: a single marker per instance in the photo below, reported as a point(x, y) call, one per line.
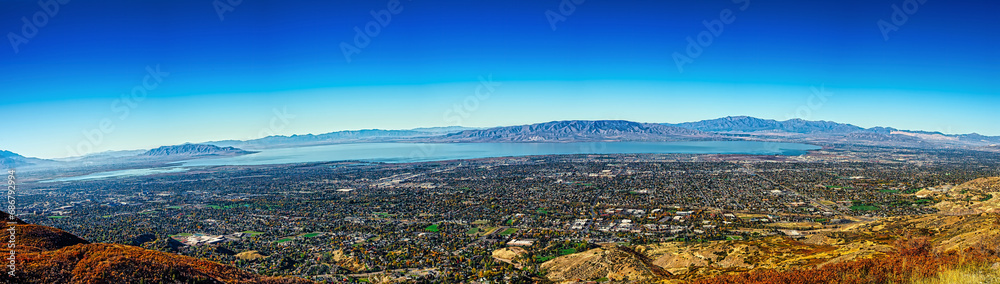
point(753, 124)
point(195, 150)
point(576, 131)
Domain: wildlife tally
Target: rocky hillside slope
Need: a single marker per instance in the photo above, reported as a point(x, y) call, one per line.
point(970, 227)
point(49, 255)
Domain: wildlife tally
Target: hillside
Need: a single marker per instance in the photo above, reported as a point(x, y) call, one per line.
point(347, 136)
point(195, 150)
point(10, 159)
point(752, 124)
point(829, 132)
point(50, 255)
point(974, 197)
point(891, 249)
point(579, 131)
point(614, 263)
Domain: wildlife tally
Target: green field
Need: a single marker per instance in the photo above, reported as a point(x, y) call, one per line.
point(180, 235)
point(214, 206)
point(432, 228)
point(310, 235)
point(472, 231)
point(253, 233)
point(57, 217)
point(174, 207)
point(508, 231)
point(542, 211)
point(283, 240)
point(864, 208)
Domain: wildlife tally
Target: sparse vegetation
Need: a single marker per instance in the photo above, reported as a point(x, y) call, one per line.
point(916, 261)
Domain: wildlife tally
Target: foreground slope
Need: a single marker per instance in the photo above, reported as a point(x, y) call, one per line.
point(614, 263)
point(907, 249)
point(50, 255)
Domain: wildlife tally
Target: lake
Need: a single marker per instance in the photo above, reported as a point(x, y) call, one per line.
point(425, 152)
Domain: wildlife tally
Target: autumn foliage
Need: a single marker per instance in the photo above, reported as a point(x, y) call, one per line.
point(50, 255)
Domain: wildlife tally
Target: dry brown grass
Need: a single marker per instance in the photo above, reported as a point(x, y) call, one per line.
point(915, 260)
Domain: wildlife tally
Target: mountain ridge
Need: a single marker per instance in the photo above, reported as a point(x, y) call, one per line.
point(751, 124)
point(578, 131)
point(195, 150)
point(726, 128)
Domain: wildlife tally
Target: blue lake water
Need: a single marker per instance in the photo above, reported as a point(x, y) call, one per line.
point(424, 152)
point(120, 173)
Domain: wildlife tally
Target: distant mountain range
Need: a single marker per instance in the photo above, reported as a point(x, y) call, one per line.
point(797, 130)
point(727, 128)
point(190, 150)
point(10, 159)
point(579, 131)
point(752, 124)
point(349, 136)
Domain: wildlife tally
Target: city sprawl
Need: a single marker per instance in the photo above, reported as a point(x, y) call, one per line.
point(443, 221)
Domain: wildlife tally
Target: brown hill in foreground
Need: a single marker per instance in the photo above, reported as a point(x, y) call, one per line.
point(49, 255)
point(974, 197)
point(614, 263)
point(960, 245)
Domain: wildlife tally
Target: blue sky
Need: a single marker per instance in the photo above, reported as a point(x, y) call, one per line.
point(277, 67)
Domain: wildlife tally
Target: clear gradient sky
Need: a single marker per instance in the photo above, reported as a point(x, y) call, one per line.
point(278, 67)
